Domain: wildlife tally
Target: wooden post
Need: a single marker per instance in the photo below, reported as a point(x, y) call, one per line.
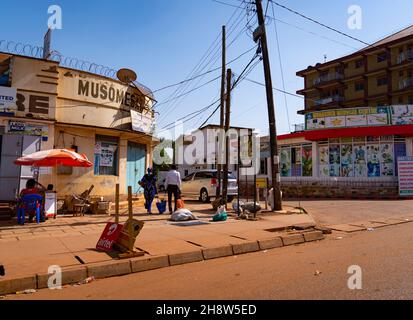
point(227, 124)
point(130, 229)
point(117, 204)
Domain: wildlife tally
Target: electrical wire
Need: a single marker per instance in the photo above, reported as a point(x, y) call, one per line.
point(318, 22)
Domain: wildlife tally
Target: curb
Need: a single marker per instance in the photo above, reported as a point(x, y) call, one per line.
point(101, 270)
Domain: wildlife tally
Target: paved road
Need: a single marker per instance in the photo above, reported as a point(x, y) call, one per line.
point(330, 212)
point(385, 256)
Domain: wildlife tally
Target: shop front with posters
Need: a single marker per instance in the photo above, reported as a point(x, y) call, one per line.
point(350, 152)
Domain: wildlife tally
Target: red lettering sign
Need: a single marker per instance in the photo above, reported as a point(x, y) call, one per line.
point(109, 236)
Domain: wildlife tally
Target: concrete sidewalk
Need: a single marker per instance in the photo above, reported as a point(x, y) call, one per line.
point(69, 242)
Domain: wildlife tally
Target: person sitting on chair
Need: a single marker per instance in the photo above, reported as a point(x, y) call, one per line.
point(33, 187)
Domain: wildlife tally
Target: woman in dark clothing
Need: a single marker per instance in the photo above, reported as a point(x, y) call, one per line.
point(148, 183)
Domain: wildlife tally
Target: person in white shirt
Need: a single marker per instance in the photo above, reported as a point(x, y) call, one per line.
point(173, 186)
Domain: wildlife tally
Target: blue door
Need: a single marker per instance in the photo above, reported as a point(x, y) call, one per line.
point(136, 166)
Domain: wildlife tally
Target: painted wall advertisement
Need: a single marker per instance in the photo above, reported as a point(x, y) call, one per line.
point(27, 129)
point(405, 176)
point(360, 117)
point(7, 99)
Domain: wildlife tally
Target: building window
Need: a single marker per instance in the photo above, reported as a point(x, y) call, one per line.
point(382, 57)
point(263, 167)
point(106, 156)
point(359, 63)
point(359, 86)
point(382, 81)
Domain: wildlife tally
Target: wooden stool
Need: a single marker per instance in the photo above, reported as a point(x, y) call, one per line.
point(79, 210)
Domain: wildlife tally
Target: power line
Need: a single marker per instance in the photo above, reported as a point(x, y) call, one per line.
point(205, 73)
point(319, 23)
point(281, 64)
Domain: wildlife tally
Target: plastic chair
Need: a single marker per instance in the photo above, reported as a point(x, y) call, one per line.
point(29, 202)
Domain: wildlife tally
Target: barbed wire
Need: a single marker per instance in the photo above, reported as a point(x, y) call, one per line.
point(19, 48)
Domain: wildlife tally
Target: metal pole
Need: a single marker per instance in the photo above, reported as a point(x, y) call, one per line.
point(130, 225)
point(218, 157)
point(117, 204)
point(271, 112)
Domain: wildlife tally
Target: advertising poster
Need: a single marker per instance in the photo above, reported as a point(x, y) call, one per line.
point(307, 161)
point(107, 155)
point(356, 120)
point(23, 128)
point(285, 162)
point(402, 114)
point(405, 165)
point(360, 154)
point(8, 99)
point(324, 171)
point(334, 154)
point(380, 119)
point(360, 170)
point(346, 154)
point(347, 170)
point(324, 155)
point(334, 170)
point(141, 123)
point(373, 169)
point(373, 153)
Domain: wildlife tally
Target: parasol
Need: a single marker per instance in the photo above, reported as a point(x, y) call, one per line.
point(53, 158)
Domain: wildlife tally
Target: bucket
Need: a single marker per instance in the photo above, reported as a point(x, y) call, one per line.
point(161, 205)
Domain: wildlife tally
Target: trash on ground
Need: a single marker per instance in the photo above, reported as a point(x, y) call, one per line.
point(87, 280)
point(221, 215)
point(183, 215)
point(370, 229)
point(27, 291)
point(339, 238)
point(317, 273)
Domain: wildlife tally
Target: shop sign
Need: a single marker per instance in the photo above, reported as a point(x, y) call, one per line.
point(262, 183)
point(402, 114)
point(23, 128)
point(109, 236)
point(141, 122)
point(7, 99)
point(405, 176)
point(359, 117)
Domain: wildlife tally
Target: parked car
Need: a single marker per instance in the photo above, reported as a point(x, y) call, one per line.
point(203, 185)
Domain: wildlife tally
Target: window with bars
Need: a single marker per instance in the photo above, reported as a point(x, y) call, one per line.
point(106, 156)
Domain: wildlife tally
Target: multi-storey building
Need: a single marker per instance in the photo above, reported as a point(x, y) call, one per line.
point(358, 123)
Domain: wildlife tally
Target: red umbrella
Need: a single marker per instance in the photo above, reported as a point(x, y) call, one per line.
point(53, 158)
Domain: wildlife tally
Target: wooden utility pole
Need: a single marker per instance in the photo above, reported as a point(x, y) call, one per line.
point(218, 155)
point(275, 161)
point(227, 122)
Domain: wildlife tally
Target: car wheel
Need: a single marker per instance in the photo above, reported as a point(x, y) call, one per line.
point(204, 197)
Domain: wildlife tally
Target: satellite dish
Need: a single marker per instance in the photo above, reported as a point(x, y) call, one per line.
point(126, 76)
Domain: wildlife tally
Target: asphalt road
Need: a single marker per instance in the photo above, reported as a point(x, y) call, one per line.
point(315, 270)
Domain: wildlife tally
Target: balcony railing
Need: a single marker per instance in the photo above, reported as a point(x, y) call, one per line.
point(403, 84)
point(299, 127)
point(405, 56)
point(329, 100)
point(328, 77)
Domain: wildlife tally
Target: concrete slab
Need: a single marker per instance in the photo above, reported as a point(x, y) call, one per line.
point(292, 239)
point(218, 252)
point(347, 228)
point(69, 276)
point(149, 263)
point(186, 257)
point(246, 247)
point(368, 224)
point(18, 284)
point(313, 236)
point(270, 243)
point(109, 269)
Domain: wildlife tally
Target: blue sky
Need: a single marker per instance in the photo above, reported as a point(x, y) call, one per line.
point(163, 40)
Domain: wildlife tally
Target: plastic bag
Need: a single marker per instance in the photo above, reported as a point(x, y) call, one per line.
point(182, 215)
point(180, 204)
point(221, 215)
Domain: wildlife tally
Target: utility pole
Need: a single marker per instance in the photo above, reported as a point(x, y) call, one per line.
point(227, 122)
point(218, 155)
point(275, 161)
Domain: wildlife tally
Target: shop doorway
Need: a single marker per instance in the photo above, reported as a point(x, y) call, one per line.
point(12, 177)
point(136, 166)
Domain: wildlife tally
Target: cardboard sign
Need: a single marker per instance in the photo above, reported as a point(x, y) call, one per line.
point(109, 236)
point(262, 183)
point(122, 242)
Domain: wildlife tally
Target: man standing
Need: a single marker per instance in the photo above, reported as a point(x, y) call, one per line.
point(173, 186)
